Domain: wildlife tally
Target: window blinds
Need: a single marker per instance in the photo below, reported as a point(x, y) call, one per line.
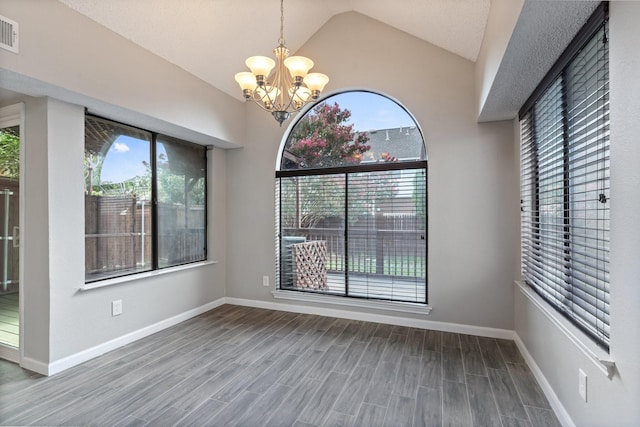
point(565, 187)
point(371, 223)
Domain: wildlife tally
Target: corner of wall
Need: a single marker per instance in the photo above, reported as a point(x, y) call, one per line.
point(501, 22)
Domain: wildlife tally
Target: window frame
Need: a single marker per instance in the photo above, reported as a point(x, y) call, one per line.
point(346, 170)
point(155, 268)
point(530, 171)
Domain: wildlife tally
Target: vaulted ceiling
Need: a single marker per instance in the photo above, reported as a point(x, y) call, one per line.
point(212, 38)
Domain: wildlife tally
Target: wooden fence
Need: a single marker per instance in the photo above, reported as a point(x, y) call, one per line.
point(382, 245)
point(118, 234)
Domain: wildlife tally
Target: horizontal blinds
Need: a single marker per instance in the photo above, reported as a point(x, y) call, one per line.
point(369, 226)
point(387, 235)
point(565, 190)
point(588, 146)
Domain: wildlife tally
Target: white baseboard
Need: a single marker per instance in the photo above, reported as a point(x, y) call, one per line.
point(9, 353)
point(85, 355)
point(378, 318)
point(558, 407)
point(78, 358)
point(35, 365)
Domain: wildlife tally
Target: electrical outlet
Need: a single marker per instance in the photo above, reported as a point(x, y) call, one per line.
point(116, 307)
point(265, 280)
point(582, 384)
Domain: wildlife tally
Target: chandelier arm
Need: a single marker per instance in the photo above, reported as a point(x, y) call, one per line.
point(264, 101)
point(260, 104)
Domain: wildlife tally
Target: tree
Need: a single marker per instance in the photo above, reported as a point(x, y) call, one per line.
point(10, 152)
point(178, 179)
point(322, 139)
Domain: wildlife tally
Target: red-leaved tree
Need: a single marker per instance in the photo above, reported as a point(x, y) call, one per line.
point(323, 139)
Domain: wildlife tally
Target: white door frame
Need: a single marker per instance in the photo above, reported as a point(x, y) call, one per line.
point(13, 115)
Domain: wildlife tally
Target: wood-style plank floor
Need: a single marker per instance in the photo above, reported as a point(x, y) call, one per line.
point(9, 320)
point(238, 366)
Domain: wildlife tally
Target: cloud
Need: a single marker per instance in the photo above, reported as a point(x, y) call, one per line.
point(120, 147)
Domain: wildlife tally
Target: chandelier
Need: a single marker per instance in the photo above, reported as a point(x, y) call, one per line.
point(289, 88)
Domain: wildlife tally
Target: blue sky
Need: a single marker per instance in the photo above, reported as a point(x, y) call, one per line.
point(124, 160)
point(371, 111)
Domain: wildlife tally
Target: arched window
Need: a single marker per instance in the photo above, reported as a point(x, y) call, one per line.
point(351, 201)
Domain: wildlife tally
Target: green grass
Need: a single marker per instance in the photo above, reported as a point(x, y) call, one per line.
point(404, 266)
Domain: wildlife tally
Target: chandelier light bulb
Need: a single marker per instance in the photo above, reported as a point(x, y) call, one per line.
point(260, 65)
point(247, 81)
point(298, 66)
point(316, 83)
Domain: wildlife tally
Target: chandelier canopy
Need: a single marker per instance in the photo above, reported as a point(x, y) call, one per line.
point(289, 88)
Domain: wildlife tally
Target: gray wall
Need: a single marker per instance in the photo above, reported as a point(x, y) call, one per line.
point(473, 184)
point(62, 62)
point(81, 62)
point(611, 402)
point(59, 319)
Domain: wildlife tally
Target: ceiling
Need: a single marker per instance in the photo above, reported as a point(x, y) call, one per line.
point(195, 34)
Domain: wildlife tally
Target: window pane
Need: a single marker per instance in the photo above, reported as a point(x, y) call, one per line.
point(181, 174)
point(353, 128)
point(312, 223)
point(9, 217)
point(117, 200)
point(386, 232)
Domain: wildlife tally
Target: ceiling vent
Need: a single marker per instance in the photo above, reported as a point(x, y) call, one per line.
point(8, 34)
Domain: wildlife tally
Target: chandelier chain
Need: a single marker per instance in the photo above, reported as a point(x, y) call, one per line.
point(281, 41)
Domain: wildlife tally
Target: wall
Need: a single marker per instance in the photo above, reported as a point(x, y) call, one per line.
point(65, 73)
point(62, 324)
point(502, 19)
point(473, 190)
point(66, 55)
point(35, 231)
point(613, 401)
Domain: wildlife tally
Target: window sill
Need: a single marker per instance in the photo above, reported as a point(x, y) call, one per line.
point(401, 307)
point(139, 276)
point(598, 356)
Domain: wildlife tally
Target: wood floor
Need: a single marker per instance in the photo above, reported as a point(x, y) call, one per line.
point(9, 320)
point(238, 366)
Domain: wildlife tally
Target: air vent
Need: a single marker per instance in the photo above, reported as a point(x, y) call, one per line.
point(8, 34)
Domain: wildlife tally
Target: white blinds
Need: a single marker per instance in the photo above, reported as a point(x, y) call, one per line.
point(565, 189)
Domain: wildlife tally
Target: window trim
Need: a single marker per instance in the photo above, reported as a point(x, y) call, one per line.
point(588, 347)
point(386, 305)
point(112, 281)
point(155, 268)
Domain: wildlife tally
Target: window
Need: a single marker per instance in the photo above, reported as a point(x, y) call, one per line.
point(565, 183)
point(145, 200)
point(351, 202)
